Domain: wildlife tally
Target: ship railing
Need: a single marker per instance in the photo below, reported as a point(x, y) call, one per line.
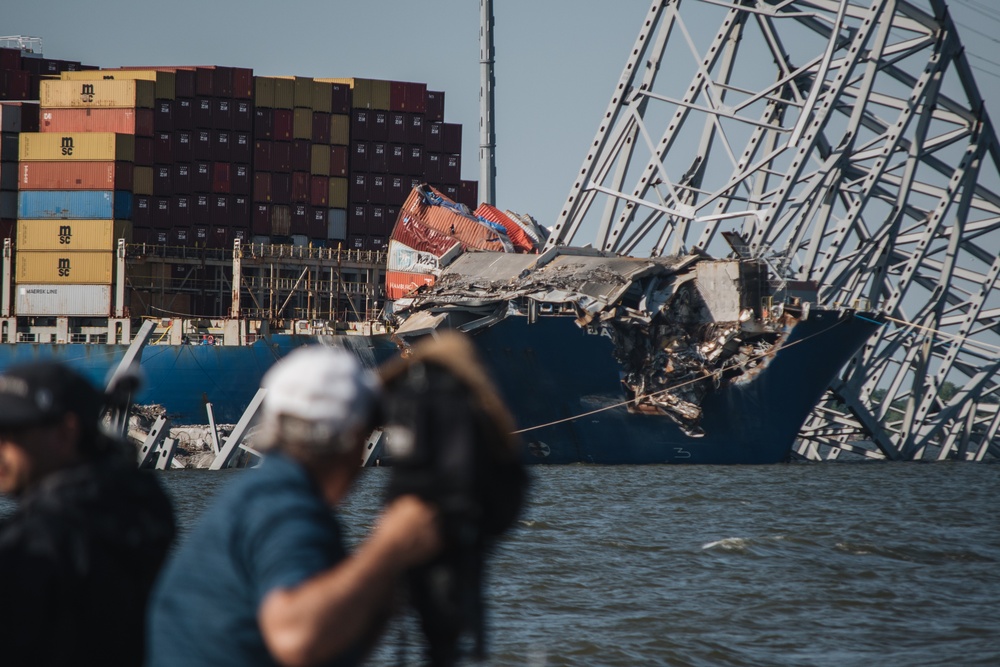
point(277, 251)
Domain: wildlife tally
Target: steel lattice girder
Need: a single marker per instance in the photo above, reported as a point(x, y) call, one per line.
point(848, 142)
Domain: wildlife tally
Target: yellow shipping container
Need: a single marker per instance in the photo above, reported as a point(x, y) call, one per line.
point(142, 181)
point(63, 235)
point(366, 93)
point(337, 192)
point(263, 91)
point(320, 160)
point(322, 96)
point(284, 93)
point(65, 268)
point(302, 91)
point(82, 146)
point(340, 129)
point(302, 124)
point(166, 82)
point(97, 94)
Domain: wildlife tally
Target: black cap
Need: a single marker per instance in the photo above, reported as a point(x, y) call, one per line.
point(43, 392)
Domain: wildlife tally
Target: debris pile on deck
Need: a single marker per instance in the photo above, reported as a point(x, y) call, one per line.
point(681, 326)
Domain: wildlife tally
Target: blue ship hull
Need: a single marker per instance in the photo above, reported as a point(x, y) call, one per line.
point(552, 370)
point(182, 378)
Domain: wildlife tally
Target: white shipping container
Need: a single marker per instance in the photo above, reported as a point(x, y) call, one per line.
point(68, 300)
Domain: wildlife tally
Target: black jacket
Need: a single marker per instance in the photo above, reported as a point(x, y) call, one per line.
point(77, 561)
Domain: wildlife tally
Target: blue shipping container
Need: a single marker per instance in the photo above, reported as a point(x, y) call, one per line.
point(74, 204)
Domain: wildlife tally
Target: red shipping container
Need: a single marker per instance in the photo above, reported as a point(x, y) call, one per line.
point(201, 177)
point(321, 127)
point(432, 167)
point(261, 187)
point(435, 106)
point(142, 210)
point(377, 188)
point(163, 116)
point(358, 187)
point(281, 188)
point(378, 158)
point(414, 160)
point(222, 81)
point(263, 125)
point(220, 178)
point(243, 116)
point(203, 81)
point(468, 193)
point(338, 160)
point(301, 155)
point(397, 96)
point(183, 114)
point(163, 178)
point(121, 121)
point(163, 149)
point(143, 151)
point(359, 156)
point(416, 129)
point(183, 147)
point(451, 138)
point(202, 145)
point(222, 147)
point(243, 83)
point(161, 212)
point(378, 125)
point(202, 113)
point(222, 211)
point(201, 210)
point(416, 97)
point(516, 234)
point(282, 124)
point(281, 156)
point(183, 81)
point(319, 190)
point(396, 159)
point(10, 59)
point(181, 213)
point(260, 223)
point(401, 283)
point(57, 175)
point(182, 178)
point(222, 114)
point(240, 174)
point(241, 210)
point(420, 212)
point(398, 123)
point(262, 160)
point(300, 186)
point(341, 98)
point(241, 148)
point(360, 119)
point(434, 137)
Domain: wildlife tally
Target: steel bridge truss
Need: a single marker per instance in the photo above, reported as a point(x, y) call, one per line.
point(847, 142)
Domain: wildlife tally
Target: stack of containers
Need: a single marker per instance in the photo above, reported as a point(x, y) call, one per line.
point(21, 73)
point(15, 117)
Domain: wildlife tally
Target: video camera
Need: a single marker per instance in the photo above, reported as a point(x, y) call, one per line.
point(450, 439)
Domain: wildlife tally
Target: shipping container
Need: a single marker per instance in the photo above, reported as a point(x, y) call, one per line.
point(284, 93)
point(181, 210)
point(19, 116)
point(377, 188)
point(434, 137)
point(222, 114)
point(242, 83)
point(342, 95)
point(281, 187)
point(451, 138)
point(62, 268)
point(300, 187)
point(321, 128)
point(56, 94)
point(8, 204)
point(281, 220)
point(163, 116)
point(240, 174)
point(396, 159)
point(142, 211)
point(319, 163)
point(161, 212)
point(184, 114)
point(182, 146)
point(201, 113)
point(10, 144)
point(281, 156)
point(58, 175)
point(222, 210)
point(302, 123)
point(282, 124)
point(221, 181)
point(338, 192)
point(63, 235)
point(201, 210)
point(338, 160)
point(340, 129)
point(263, 125)
point(301, 155)
point(378, 126)
point(8, 176)
point(142, 179)
point(400, 283)
point(75, 204)
point(83, 146)
point(416, 129)
point(182, 178)
point(451, 169)
point(221, 146)
point(322, 96)
point(378, 157)
point(166, 82)
point(435, 106)
point(398, 125)
point(262, 159)
point(241, 150)
point(468, 193)
point(54, 300)
point(243, 116)
point(359, 187)
point(263, 92)
point(143, 150)
point(201, 176)
point(359, 156)
point(163, 148)
point(336, 224)
point(319, 191)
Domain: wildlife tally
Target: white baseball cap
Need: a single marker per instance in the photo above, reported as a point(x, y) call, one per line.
point(325, 390)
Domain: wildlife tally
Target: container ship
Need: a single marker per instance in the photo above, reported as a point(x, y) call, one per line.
point(249, 215)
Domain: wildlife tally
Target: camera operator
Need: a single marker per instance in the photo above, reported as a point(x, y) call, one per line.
point(80, 554)
point(265, 578)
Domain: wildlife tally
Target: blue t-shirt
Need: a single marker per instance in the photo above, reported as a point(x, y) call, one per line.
point(269, 529)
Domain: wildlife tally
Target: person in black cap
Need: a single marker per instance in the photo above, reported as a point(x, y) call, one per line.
point(80, 554)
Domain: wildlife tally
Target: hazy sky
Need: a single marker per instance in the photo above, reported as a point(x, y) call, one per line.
point(557, 61)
